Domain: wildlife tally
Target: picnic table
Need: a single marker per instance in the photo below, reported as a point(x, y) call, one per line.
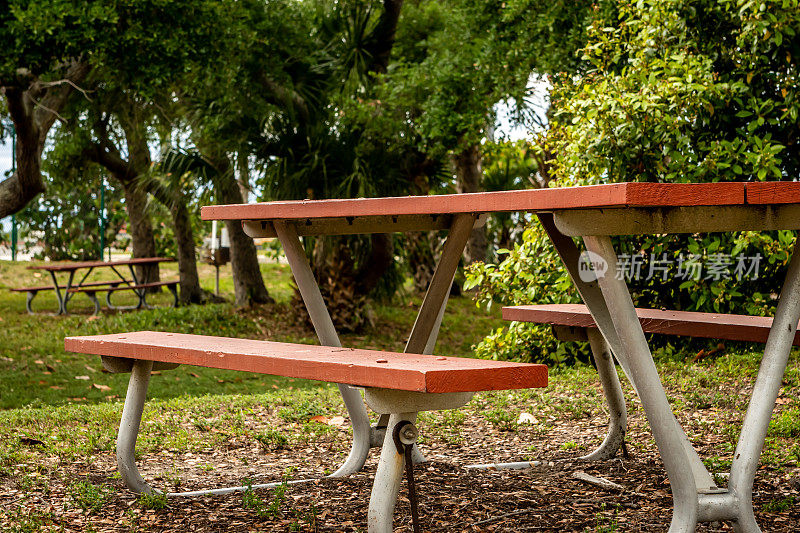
point(65, 292)
point(593, 214)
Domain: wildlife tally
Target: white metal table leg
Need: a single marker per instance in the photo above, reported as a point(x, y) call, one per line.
point(426, 326)
point(595, 300)
point(618, 415)
point(129, 427)
point(326, 332)
point(593, 297)
point(669, 436)
point(762, 402)
point(429, 317)
point(387, 482)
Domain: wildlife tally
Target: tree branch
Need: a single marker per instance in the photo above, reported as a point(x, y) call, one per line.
point(75, 86)
point(283, 96)
point(381, 48)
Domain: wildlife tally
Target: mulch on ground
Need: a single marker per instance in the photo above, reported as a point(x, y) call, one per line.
point(451, 497)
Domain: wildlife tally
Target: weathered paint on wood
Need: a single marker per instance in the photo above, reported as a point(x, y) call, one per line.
point(773, 192)
point(364, 368)
point(682, 323)
point(611, 195)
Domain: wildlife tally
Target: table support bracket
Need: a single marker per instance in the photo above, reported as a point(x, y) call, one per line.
point(765, 393)
point(326, 332)
point(675, 448)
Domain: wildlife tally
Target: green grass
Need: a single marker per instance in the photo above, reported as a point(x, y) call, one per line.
point(88, 497)
point(46, 412)
point(35, 370)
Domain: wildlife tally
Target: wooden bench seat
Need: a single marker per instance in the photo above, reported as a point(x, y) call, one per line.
point(140, 290)
point(51, 287)
point(680, 323)
point(362, 368)
point(396, 385)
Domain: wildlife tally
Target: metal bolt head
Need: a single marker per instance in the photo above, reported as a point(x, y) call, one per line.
point(409, 433)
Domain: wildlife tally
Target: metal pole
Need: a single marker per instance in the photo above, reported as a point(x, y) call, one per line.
point(13, 217)
point(102, 217)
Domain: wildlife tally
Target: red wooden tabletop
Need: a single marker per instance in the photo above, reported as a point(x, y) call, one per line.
point(364, 368)
point(591, 196)
point(773, 192)
point(65, 266)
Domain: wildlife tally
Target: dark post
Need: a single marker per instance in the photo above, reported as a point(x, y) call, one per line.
point(102, 217)
point(13, 217)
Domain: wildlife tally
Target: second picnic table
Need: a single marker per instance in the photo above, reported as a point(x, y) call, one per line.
point(594, 214)
point(65, 292)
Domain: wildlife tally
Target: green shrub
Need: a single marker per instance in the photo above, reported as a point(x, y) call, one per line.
point(672, 91)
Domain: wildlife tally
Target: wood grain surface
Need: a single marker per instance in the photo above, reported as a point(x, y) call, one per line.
point(611, 195)
point(682, 323)
point(364, 368)
point(773, 192)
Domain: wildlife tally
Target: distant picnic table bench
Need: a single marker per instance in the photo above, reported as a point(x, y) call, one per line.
point(65, 291)
point(592, 213)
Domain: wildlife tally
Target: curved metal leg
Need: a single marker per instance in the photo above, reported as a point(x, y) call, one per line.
point(765, 392)
point(618, 415)
point(746, 521)
point(174, 290)
point(31, 296)
point(129, 427)
point(326, 332)
point(93, 297)
point(62, 299)
point(387, 480)
point(361, 432)
point(669, 436)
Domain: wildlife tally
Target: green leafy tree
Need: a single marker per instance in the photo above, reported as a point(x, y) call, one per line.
point(677, 91)
point(51, 47)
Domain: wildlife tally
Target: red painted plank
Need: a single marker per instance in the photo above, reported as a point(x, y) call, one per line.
point(682, 323)
point(67, 266)
point(773, 192)
point(684, 194)
point(364, 368)
point(592, 196)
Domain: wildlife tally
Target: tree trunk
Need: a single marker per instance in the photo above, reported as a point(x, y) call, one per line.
point(191, 292)
point(26, 181)
point(248, 285)
point(380, 259)
point(143, 241)
point(33, 107)
point(243, 171)
point(467, 165)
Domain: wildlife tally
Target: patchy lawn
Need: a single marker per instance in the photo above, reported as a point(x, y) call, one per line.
point(207, 428)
